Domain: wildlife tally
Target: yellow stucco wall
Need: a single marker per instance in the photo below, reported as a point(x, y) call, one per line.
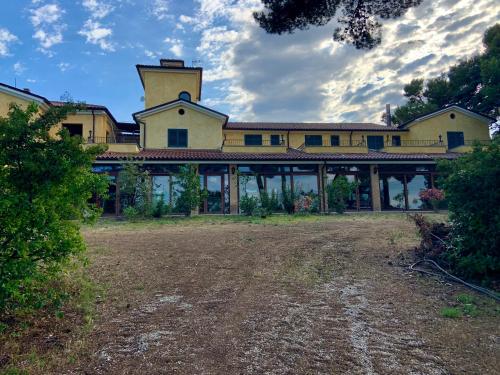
point(6, 100)
point(204, 131)
point(103, 124)
point(430, 129)
point(164, 86)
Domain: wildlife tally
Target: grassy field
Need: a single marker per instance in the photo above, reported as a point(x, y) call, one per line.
point(238, 295)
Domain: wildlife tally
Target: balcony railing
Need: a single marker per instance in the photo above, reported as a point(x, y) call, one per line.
point(133, 139)
point(241, 142)
point(416, 143)
point(481, 142)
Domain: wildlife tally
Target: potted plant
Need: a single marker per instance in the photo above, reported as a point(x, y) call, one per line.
point(432, 197)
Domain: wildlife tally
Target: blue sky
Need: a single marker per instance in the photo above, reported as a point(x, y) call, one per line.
point(89, 49)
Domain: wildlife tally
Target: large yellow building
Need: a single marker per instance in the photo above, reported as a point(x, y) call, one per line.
point(391, 164)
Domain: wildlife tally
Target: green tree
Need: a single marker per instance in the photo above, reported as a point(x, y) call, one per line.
point(360, 21)
point(471, 189)
point(473, 83)
point(191, 195)
point(338, 192)
point(46, 184)
point(135, 189)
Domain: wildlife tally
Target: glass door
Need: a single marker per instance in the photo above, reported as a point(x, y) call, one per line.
point(214, 203)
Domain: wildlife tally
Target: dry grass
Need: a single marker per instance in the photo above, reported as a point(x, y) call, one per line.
point(302, 295)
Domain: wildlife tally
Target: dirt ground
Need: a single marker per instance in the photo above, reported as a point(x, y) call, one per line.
point(325, 296)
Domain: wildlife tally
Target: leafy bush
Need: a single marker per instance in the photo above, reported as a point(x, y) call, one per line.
point(432, 197)
point(288, 200)
point(46, 185)
point(160, 208)
point(191, 194)
point(248, 205)
point(135, 190)
point(472, 190)
point(131, 213)
point(269, 202)
point(306, 204)
point(338, 192)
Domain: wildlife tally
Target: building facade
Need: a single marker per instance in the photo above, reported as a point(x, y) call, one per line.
point(391, 164)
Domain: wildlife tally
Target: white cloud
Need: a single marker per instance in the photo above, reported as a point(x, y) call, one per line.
point(19, 68)
point(46, 14)
point(176, 46)
point(96, 34)
point(98, 9)
point(48, 27)
point(306, 76)
point(63, 66)
point(6, 38)
point(159, 9)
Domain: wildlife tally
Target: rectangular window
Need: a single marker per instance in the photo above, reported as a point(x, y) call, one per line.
point(375, 142)
point(396, 140)
point(314, 140)
point(455, 139)
point(253, 139)
point(177, 138)
point(74, 129)
point(275, 140)
point(335, 140)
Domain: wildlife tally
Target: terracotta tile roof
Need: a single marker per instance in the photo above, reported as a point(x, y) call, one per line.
point(285, 126)
point(87, 106)
point(290, 155)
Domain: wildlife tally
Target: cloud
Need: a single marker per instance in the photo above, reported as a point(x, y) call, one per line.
point(176, 46)
point(46, 14)
point(98, 9)
point(306, 76)
point(48, 28)
point(97, 34)
point(19, 68)
point(160, 9)
point(6, 38)
point(63, 66)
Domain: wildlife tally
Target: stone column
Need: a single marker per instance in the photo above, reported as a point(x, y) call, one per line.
point(375, 186)
point(233, 189)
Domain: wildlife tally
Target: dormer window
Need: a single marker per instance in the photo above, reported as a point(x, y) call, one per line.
point(184, 95)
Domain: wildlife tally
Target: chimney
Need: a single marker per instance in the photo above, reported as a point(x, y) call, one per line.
point(388, 119)
point(27, 90)
point(172, 63)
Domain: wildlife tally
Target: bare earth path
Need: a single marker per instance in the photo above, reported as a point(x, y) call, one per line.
point(319, 297)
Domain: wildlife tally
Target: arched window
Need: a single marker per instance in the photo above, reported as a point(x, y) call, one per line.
point(185, 95)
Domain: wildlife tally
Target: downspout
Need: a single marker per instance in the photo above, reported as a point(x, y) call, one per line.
point(350, 138)
point(288, 139)
point(93, 126)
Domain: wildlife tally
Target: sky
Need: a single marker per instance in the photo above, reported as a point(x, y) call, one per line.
point(87, 50)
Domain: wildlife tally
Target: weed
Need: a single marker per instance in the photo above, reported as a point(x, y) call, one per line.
point(451, 312)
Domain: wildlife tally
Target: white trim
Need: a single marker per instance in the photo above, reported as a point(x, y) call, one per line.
point(179, 103)
point(25, 96)
point(170, 69)
point(447, 109)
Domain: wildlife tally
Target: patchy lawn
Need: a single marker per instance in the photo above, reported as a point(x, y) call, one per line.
point(301, 295)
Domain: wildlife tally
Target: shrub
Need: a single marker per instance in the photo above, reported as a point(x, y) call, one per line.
point(432, 197)
point(306, 204)
point(191, 194)
point(135, 189)
point(46, 186)
point(471, 188)
point(269, 202)
point(338, 192)
point(451, 312)
point(131, 213)
point(248, 204)
point(288, 199)
point(160, 208)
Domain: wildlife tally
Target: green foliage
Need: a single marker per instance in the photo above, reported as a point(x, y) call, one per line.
point(191, 194)
point(131, 213)
point(160, 208)
point(248, 205)
point(135, 190)
point(451, 312)
point(473, 83)
point(270, 202)
point(288, 199)
point(338, 192)
point(471, 189)
point(46, 184)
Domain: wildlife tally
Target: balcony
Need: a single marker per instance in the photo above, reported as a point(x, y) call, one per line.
point(354, 146)
point(120, 143)
point(238, 145)
point(416, 146)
